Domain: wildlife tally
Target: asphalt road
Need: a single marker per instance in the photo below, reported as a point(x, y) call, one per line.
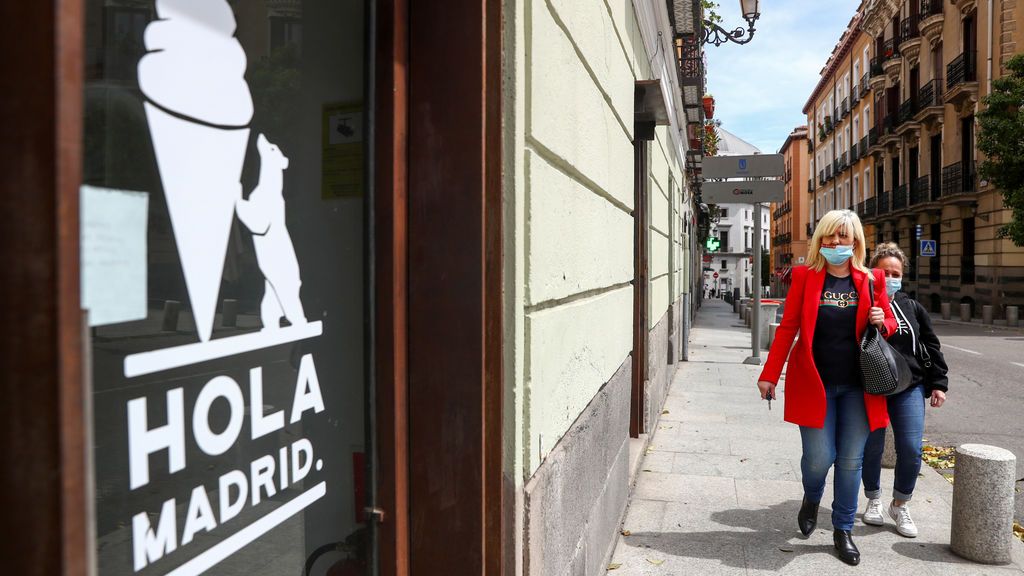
point(985, 403)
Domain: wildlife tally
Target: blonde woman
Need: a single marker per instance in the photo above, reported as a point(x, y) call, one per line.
point(916, 340)
point(829, 305)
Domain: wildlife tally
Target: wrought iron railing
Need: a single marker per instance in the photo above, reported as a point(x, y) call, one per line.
point(876, 67)
point(854, 153)
point(828, 172)
point(844, 108)
point(844, 161)
point(890, 50)
point(899, 197)
point(909, 28)
point(864, 84)
point(883, 203)
point(907, 110)
point(873, 136)
point(963, 68)
point(864, 146)
point(919, 190)
point(931, 8)
point(869, 206)
point(956, 179)
point(930, 94)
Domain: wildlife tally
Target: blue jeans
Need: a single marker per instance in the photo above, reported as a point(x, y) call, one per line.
point(839, 442)
point(906, 412)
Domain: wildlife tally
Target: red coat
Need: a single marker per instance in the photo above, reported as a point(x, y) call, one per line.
point(805, 394)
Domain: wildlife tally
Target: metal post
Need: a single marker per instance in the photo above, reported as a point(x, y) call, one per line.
point(755, 309)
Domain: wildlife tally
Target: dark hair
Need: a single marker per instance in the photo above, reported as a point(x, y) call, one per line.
point(888, 250)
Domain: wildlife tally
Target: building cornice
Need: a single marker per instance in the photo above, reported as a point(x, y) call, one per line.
point(878, 14)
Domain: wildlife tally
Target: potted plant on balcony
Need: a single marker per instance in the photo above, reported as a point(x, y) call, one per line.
point(709, 106)
point(711, 137)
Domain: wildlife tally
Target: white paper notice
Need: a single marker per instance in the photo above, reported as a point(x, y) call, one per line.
point(113, 232)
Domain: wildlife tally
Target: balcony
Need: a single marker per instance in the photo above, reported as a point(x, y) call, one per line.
point(899, 198)
point(854, 153)
point(835, 167)
point(810, 185)
point(844, 108)
point(956, 180)
point(910, 39)
point(891, 62)
point(864, 85)
point(919, 190)
point(821, 177)
point(828, 124)
point(876, 81)
point(869, 207)
point(883, 204)
point(929, 102)
point(864, 147)
point(874, 142)
point(828, 172)
point(843, 161)
point(906, 114)
point(854, 93)
point(962, 79)
point(888, 132)
point(931, 20)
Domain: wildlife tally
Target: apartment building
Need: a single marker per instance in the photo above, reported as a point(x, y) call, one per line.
point(789, 233)
point(839, 113)
point(893, 123)
point(933, 64)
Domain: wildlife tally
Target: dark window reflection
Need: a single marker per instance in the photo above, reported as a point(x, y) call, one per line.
point(304, 72)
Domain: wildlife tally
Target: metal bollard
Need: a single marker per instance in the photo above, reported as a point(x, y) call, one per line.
point(982, 527)
point(965, 312)
point(170, 320)
point(771, 335)
point(1012, 316)
point(229, 313)
point(986, 314)
point(947, 310)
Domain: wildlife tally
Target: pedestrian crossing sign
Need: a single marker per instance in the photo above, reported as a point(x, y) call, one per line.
point(928, 248)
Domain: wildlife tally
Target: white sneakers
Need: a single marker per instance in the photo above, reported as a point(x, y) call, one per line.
point(873, 513)
point(904, 523)
point(899, 514)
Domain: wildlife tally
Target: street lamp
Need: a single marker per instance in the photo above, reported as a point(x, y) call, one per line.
point(717, 35)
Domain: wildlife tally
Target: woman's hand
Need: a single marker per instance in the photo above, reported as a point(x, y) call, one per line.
point(764, 387)
point(877, 317)
point(938, 398)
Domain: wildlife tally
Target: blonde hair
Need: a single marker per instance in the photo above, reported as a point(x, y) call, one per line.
point(831, 222)
point(888, 250)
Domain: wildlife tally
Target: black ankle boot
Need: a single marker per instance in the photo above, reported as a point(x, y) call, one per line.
point(807, 519)
point(845, 547)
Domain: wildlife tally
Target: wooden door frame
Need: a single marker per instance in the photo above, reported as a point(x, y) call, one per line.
point(455, 329)
point(640, 289)
point(43, 380)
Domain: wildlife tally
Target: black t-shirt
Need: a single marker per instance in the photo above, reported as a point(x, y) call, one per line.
point(835, 334)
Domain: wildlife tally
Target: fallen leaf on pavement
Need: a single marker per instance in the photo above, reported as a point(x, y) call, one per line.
point(655, 562)
point(664, 411)
point(627, 533)
point(614, 566)
point(785, 548)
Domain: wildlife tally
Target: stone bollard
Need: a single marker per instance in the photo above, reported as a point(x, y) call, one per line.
point(771, 335)
point(982, 528)
point(1012, 316)
point(986, 314)
point(170, 320)
point(965, 312)
point(748, 315)
point(889, 452)
point(229, 313)
point(947, 310)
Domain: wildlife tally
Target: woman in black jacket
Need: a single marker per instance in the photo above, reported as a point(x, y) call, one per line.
point(916, 340)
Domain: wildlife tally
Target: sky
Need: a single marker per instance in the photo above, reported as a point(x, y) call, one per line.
point(760, 88)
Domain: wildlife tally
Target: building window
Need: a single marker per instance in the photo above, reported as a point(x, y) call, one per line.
point(723, 237)
point(724, 264)
point(723, 212)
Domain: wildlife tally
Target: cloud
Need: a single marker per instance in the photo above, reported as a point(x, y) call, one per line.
point(760, 88)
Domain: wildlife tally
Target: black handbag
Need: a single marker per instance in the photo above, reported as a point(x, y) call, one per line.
point(883, 370)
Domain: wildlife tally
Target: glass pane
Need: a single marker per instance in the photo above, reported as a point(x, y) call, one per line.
point(222, 216)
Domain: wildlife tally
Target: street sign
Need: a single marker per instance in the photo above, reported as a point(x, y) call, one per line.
point(742, 192)
point(928, 248)
point(748, 166)
point(707, 257)
point(715, 275)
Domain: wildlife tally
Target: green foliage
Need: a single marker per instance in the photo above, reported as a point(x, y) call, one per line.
point(711, 137)
point(710, 14)
point(1001, 139)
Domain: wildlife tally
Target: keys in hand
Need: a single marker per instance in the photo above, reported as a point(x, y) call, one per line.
point(768, 396)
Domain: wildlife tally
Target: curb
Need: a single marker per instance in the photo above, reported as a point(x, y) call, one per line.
point(939, 320)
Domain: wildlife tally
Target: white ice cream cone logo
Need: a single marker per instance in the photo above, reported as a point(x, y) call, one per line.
point(199, 108)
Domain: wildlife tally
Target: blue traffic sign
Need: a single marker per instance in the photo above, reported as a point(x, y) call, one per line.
point(928, 248)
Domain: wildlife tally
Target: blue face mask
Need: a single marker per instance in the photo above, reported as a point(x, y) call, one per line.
point(838, 255)
point(893, 285)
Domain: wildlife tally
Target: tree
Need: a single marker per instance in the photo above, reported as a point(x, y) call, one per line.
point(1001, 139)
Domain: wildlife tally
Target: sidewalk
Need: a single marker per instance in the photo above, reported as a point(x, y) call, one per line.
point(719, 487)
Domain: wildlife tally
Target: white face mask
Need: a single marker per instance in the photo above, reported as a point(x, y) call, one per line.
point(893, 285)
